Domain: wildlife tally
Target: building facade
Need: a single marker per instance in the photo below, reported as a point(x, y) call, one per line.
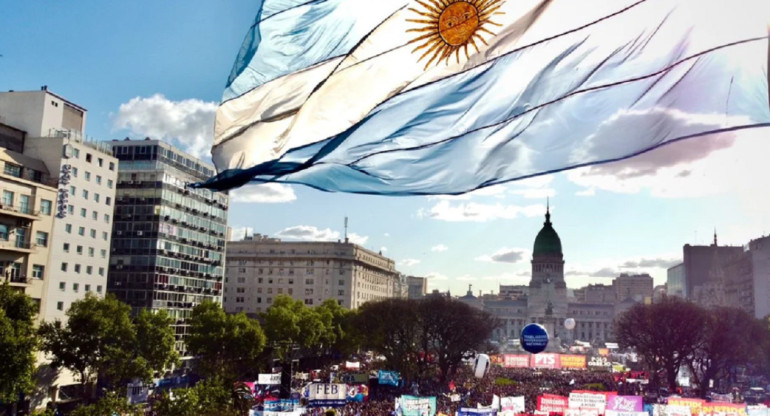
point(418, 287)
point(635, 286)
point(26, 224)
point(545, 300)
point(260, 268)
point(675, 283)
point(168, 241)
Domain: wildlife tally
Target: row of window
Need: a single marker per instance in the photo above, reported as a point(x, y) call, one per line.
point(84, 214)
point(79, 250)
point(82, 232)
point(77, 268)
point(90, 158)
point(25, 203)
point(73, 190)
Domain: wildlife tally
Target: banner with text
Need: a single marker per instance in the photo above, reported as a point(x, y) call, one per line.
point(512, 405)
point(516, 361)
point(583, 411)
point(695, 405)
point(415, 406)
point(552, 403)
point(617, 413)
point(469, 411)
point(550, 361)
point(327, 395)
point(723, 409)
point(269, 379)
point(596, 401)
point(625, 403)
point(389, 378)
point(569, 361)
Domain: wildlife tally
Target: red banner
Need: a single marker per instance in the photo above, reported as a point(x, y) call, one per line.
point(516, 361)
point(552, 403)
point(572, 361)
point(541, 360)
point(723, 409)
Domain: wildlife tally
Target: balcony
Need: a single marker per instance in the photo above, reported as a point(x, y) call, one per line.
point(19, 280)
point(16, 245)
point(20, 211)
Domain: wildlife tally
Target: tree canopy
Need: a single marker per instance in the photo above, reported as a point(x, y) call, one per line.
point(17, 343)
point(227, 346)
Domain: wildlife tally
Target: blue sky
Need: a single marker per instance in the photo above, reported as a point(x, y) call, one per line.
point(158, 69)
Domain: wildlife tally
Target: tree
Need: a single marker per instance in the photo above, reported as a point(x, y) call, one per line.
point(452, 331)
point(17, 343)
point(94, 341)
point(666, 334)
point(337, 321)
point(208, 398)
point(290, 324)
point(109, 405)
point(730, 338)
point(392, 328)
point(226, 346)
point(155, 340)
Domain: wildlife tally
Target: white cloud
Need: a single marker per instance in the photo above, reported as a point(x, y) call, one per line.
point(408, 262)
point(541, 193)
point(586, 192)
point(308, 233)
point(476, 212)
point(239, 232)
point(537, 187)
point(358, 239)
point(187, 124)
point(657, 262)
point(383, 249)
point(264, 193)
point(505, 255)
point(439, 248)
point(387, 234)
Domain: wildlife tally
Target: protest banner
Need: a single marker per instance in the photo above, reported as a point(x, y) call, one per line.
point(589, 400)
point(723, 409)
point(552, 403)
point(327, 395)
point(358, 393)
point(759, 410)
point(583, 411)
point(469, 411)
point(617, 413)
point(569, 361)
point(350, 365)
point(549, 361)
point(389, 378)
point(269, 379)
point(675, 410)
point(625, 403)
point(415, 406)
point(695, 405)
point(512, 405)
point(516, 361)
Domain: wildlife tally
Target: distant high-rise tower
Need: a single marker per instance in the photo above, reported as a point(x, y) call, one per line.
point(168, 242)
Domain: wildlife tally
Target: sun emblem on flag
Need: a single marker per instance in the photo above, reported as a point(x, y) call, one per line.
point(448, 25)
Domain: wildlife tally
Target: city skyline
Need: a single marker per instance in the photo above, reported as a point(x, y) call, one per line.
point(157, 70)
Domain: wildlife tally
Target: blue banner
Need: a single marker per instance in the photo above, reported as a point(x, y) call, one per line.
point(388, 377)
point(476, 412)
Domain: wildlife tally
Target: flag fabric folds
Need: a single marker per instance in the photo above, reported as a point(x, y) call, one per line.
point(403, 97)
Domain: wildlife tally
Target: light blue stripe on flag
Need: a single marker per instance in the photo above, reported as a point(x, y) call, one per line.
point(291, 35)
point(617, 88)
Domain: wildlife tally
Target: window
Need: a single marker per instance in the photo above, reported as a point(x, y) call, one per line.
point(89, 269)
point(83, 212)
point(41, 238)
point(62, 286)
point(109, 183)
point(60, 306)
point(308, 281)
point(107, 218)
point(75, 287)
point(85, 193)
point(7, 197)
point(70, 209)
point(90, 251)
point(96, 197)
point(99, 289)
point(100, 162)
point(38, 271)
point(3, 232)
point(270, 290)
point(88, 157)
point(112, 165)
point(73, 190)
point(340, 292)
point(79, 250)
point(76, 153)
point(45, 207)
point(342, 282)
point(94, 215)
point(308, 301)
point(105, 235)
point(64, 267)
point(24, 204)
point(88, 175)
point(93, 233)
point(74, 172)
point(88, 288)
point(81, 230)
point(103, 253)
point(308, 291)
point(12, 170)
point(68, 228)
point(108, 201)
point(77, 268)
point(101, 273)
point(66, 247)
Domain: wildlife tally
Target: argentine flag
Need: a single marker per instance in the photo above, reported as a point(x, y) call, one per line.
point(410, 97)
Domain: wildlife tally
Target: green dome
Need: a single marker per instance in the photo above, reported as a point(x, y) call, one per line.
point(547, 241)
